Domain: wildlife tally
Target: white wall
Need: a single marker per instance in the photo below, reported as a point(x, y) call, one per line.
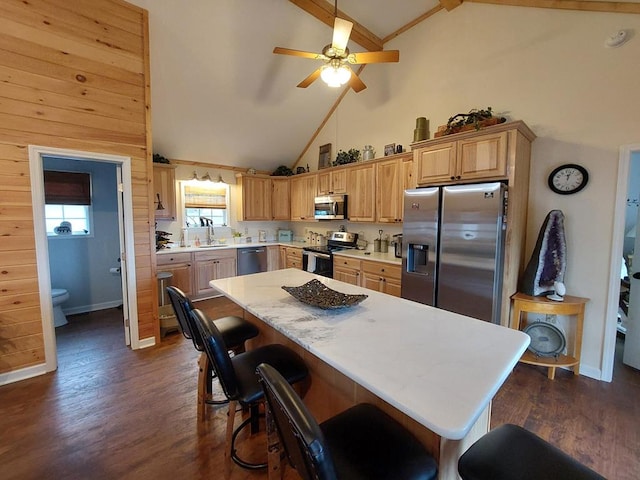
point(549, 68)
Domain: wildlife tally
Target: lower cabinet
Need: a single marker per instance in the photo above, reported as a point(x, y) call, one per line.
point(291, 257)
point(180, 267)
point(213, 266)
point(347, 270)
point(273, 258)
point(382, 277)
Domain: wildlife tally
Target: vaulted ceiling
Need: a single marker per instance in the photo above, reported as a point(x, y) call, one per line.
point(219, 94)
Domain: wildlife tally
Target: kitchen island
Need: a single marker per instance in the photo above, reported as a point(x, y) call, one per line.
point(433, 370)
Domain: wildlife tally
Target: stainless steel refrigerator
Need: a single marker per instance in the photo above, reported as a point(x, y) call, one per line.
point(452, 248)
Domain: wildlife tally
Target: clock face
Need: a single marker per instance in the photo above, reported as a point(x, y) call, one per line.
point(567, 179)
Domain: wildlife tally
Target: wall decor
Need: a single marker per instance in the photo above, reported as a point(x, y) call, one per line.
point(389, 149)
point(324, 158)
point(568, 179)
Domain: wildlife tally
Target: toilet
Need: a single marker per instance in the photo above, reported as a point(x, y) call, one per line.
point(58, 297)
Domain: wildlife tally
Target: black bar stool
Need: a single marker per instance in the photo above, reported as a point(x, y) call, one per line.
point(360, 443)
point(510, 452)
point(237, 376)
point(234, 330)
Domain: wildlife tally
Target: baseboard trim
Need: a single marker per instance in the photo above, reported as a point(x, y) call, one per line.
point(91, 308)
point(146, 342)
point(23, 374)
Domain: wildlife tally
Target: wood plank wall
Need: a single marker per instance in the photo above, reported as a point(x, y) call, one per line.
point(73, 75)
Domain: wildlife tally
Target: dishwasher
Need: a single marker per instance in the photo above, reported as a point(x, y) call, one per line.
point(252, 260)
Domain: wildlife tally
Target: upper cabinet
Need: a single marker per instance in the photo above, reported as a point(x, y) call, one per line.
point(361, 188)
point(303, 192)
point(468, 159)
point(254, 201)
point(332, 181)
point(393, 176)
point(164, 189)
point(262, 198)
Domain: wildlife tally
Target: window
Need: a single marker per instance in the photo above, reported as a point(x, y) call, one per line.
point(205, 203)
point(67, 203)
point(79, 216)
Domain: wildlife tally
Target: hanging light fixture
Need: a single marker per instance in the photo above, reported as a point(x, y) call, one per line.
point(335, 74)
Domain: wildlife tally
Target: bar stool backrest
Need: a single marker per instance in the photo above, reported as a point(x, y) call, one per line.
point(299, 431)
point(217, 352)
point(182, 307)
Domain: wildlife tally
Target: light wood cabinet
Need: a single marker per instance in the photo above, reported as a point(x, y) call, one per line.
point(383, 277)
point(164, 191)
point(479, 157)
point(180, 266)
point(280, 199)
point(347, 270)
point(332, 181)
point(393, 176)
point(303, 191)
point(361, 188)
point(213, 266)
point(254, 202)
point(273, 258)
point(291, 257)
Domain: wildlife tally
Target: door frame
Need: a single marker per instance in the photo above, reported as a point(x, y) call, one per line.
point(613, 294)
point(36, 154)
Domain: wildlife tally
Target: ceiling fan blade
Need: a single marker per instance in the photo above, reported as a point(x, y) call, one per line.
point(374, 57)
point(355, 82)
point(298, 53)
point(341, 31)
point(310, 79)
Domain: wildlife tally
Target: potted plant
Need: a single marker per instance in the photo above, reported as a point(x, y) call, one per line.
point(351, 156)
point(237, 237)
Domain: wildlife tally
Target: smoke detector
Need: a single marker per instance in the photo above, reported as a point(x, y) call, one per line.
point(616, 39)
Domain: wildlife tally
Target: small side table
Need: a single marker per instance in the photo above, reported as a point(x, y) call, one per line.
point(542, 305)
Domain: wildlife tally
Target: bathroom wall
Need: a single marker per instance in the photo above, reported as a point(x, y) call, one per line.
point(81, 264)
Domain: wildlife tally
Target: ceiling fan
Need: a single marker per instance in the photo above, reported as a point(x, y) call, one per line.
point(336, 57)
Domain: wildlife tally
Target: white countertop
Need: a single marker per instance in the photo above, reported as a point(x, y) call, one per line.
point(226, 246)
point(388, 257)
point(440, 368)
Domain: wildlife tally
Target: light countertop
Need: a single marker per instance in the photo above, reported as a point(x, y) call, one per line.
point(205, 248)
point(440, 368)
point(388, 257)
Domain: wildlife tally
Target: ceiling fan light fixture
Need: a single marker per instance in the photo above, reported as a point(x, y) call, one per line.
point(335, 75)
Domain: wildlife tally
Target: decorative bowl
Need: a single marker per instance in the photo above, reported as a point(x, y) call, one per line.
point(317, 294)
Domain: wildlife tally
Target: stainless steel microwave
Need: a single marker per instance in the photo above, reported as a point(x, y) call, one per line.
point(331, 207)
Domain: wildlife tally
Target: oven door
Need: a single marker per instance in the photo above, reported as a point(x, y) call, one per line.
point(318, 263)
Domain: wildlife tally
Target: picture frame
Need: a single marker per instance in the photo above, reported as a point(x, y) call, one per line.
point(324, 157)
point(389, 149)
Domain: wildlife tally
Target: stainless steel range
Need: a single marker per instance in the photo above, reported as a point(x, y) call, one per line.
point(319, 260)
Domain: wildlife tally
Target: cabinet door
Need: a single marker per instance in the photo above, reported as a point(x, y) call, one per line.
point(256, 198)
point(435, 164)
point(361, 190)
point(389, 191)
point(483, 157)
point(324, 183)
point(339, 181)
point(273, 258)
point(164, 188)
point(280, 199)
point(182, 277)
point(303, 192)
point(225, 268)
point(392, 286)
point(205, 272)
point(346, 270)
point(371, 281)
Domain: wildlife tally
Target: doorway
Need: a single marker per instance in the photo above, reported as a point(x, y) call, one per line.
point(628, 154)
point(122, 165)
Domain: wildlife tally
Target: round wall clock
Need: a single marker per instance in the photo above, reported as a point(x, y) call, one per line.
point(569, 178)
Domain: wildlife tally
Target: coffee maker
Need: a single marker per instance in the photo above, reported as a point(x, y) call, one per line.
point(397, 240)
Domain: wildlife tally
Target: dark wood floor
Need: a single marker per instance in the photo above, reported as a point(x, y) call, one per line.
point(109, 412)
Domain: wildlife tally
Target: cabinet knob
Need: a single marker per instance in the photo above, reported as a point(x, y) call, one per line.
point(452, 177)
point(458, 177)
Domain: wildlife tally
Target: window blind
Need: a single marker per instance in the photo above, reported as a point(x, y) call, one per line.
point(67, 188)
point(210, 196)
